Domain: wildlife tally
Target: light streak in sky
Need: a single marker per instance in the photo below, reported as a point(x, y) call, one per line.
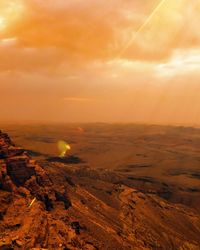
point(128, 44)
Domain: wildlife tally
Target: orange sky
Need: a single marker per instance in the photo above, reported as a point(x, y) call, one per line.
point(97, 60)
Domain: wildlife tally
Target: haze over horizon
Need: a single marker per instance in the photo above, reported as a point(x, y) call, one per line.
point(100, 61)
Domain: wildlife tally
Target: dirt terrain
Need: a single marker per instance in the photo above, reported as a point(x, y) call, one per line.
point(121, 187)
point(149, 157)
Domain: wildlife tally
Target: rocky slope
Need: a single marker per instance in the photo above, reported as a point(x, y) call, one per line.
point(58, 205)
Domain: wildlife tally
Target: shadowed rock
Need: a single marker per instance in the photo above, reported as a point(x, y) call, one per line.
point(64, 198)
point(71, 159)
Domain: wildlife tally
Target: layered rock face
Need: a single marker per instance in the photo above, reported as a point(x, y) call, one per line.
point(17, 170)
point(54, 205)
point(22, 180)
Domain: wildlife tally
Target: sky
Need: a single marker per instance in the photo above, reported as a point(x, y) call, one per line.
point(100, 61)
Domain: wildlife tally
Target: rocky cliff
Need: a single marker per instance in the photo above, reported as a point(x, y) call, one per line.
point(54, 205)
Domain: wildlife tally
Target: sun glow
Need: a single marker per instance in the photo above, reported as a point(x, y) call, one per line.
point(10, 12)
point(181, 63)
point(2, 23)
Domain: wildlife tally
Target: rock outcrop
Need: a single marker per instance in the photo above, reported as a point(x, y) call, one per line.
point(23, 180)
point(17, 170)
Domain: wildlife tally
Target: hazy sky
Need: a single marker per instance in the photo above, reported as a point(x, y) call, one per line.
point(97, 60)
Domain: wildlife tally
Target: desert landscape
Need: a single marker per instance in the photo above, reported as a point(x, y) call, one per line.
point(120, 187)
point(99, 125)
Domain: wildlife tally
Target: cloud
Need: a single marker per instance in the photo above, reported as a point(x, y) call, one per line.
point(53, 35)
point(173, 26)
point(181, 63)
